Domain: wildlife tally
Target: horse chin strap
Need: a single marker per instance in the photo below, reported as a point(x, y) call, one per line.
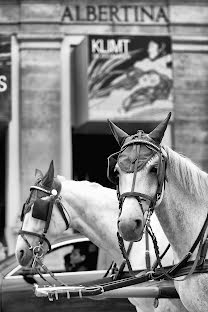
point(38, 251)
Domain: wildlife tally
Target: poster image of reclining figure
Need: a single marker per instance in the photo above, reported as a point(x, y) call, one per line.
point(130, 77)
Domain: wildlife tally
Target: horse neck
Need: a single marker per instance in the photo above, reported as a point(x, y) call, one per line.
point(93, 212)
point(182, 212)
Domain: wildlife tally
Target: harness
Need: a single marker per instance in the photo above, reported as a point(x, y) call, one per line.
point(42, 210)
point(107, 284)
point(199, 265)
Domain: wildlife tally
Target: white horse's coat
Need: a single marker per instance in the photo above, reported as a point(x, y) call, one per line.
point(93, 211)
point(181, 213)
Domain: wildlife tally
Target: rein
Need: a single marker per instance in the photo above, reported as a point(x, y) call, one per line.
point(197, 264)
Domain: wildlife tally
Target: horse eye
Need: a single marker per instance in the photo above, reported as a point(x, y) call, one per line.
point(153, 169)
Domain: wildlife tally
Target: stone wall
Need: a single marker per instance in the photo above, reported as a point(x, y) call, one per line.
point(40, 69)
point(191, 109)
point(40, 112)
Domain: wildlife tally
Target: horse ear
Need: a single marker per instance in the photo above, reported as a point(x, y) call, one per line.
point(158, 133)
point(38, 174)
point(47, 180)
point(119, 134)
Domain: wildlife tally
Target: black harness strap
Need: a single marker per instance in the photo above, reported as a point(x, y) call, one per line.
point(175, 269)
point(97, 287)
point(125, 255)
point(124, 262)
point(41, 236)
point(203, 252)
point(50, 209)
point(147, 253)
point(198, 241)
point(155, 264)
point(61, 209)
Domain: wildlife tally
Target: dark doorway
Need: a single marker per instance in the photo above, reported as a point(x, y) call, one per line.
point(90, 153)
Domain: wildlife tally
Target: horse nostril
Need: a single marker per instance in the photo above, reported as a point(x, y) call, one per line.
point(139, 223)
point(21, 254)
point(135, 225)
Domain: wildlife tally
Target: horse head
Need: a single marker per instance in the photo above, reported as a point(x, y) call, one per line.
point(43, 218)
point(138, 169)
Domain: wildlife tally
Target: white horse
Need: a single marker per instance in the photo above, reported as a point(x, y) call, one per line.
point(178, 194)
point(92, 210)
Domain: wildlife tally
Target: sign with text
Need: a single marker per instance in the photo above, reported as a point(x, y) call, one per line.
point(126, 13)
point(5, 77)
point(129, 77)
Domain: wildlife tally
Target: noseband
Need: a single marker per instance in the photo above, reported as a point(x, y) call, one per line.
point(42, 210)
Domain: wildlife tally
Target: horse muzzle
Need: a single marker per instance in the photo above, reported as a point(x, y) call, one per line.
point(131, 230)
point(26, 253)
point(24, 256)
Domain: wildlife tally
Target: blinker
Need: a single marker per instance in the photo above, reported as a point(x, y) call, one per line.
point(23, 213)
point(40, 209)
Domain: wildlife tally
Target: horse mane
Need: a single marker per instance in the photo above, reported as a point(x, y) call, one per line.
point(188, 174)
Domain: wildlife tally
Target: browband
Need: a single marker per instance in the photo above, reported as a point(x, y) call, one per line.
point(52, 192)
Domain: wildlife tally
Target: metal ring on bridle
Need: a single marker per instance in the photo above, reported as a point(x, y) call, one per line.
point(37, 253)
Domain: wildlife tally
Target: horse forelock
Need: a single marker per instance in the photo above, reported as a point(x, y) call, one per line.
point(192, 179)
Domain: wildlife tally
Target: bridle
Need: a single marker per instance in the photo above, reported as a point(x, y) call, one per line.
point(140, 197)
point(161, 176)
point(42, 210)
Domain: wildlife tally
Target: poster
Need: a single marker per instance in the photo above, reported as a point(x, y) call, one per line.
point(129, 77)
point(5, 77)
